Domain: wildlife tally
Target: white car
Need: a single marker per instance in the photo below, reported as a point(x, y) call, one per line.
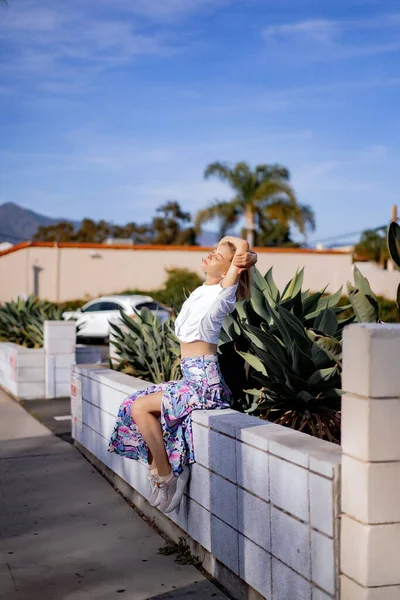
point(94, 317)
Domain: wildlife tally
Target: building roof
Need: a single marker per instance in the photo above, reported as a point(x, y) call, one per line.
point(108, 248)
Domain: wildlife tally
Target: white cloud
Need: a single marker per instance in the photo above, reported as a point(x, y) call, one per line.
point(320, 30)
point(165, 10)
point(53, 46)
point(320, 39)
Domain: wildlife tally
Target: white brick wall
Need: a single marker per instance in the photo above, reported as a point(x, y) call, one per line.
point(370, 523)
point(262, 499)
point(40, 372)
point(22, 370)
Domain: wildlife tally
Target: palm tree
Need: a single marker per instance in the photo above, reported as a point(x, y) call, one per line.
point(373, 246)
point(262, 193)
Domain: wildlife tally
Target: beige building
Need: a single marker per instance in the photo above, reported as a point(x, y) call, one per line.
point(68, 271)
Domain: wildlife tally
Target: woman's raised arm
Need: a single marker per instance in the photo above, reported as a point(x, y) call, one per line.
point(242, 260)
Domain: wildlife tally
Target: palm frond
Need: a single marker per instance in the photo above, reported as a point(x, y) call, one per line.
point(269, 189)
point(268, 172)
point(227, 212)
point(221, 170)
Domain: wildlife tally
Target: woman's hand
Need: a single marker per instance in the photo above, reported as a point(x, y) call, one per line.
point(244, 260)
point(240, 244)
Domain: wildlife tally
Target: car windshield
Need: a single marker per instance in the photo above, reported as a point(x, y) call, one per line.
point(102, 306)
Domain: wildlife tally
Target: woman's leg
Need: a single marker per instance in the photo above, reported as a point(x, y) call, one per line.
point(152, 462)
point(145, 412)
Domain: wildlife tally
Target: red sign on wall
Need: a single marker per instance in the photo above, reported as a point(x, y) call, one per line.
point(13, 365)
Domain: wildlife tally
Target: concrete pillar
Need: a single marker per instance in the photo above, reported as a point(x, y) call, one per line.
point(370, 524)
point(59, 345)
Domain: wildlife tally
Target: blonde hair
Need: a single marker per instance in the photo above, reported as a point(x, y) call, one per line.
point(244, 286)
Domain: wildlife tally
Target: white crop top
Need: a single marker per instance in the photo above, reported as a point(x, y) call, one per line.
point(202, 314)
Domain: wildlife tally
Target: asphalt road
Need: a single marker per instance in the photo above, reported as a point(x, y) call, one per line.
point(54, 414)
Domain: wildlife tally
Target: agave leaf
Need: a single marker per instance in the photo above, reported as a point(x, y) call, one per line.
point(365, 308)
point(393, 241)
point(116, 329)
point(253, 361)
point(234, 331)
point(254, 392)
point(295, 328)
point(294, 382)
point(252, 409)
point(302, 363)
point(330, 345)
point(275, 324)
point(239, 306)
point(322, 376)
point(273, 366)
point(258, 304)
point(273, 290)
point(258, 280)
point(343, 323)
point(323, 303)
point(297, 306)
point(147, 316)
point(362, 283)
point(327, 322)
point(252, 315)
point(294, 286)
point(265, 340)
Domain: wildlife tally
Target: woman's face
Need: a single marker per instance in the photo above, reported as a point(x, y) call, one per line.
point(217, 262)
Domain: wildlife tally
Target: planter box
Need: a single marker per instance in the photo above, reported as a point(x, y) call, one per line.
point(262, 505)
point(30, 373)
point(22, 370)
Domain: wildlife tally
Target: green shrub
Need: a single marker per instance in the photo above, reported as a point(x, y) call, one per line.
point(179, 283)
point(70, 305)
point(388, 310)
point(21, 321)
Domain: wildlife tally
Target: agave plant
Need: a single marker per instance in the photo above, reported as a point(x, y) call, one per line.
point(394, 249)
point(146, 347)
point(281, 352)
point(22, 321)
point(363, 300)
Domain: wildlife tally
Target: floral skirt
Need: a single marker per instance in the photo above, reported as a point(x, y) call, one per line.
point(202, 387)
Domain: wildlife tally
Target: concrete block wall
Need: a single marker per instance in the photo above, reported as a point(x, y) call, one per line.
point(370, 530)
point(29, 373)
point(22, 370)
point(262, 499)
point(273, 495)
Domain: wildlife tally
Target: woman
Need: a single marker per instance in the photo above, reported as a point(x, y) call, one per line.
point(154, 425)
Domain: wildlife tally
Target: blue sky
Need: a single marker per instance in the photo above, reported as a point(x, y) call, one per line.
point(111, 107)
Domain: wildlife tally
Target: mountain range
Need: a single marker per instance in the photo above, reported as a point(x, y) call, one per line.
point(18, 224)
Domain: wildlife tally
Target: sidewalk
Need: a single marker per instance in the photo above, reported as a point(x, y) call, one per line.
point(65, 534)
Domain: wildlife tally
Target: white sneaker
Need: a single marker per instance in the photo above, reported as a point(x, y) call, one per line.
point(171, 493)
point(154, 498)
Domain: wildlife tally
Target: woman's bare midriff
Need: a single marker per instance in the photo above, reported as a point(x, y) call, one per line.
point(197, 348)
